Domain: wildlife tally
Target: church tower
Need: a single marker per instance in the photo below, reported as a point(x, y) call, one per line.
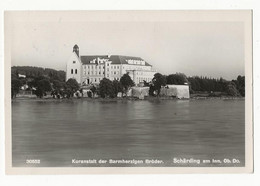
point(73, 69)
point(76, 49)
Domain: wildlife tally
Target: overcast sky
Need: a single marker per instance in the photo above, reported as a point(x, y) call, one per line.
point(214, 49)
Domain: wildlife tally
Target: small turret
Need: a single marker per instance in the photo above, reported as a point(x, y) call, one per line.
point(76, 49)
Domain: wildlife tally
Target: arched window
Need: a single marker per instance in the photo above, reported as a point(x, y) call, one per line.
point(71, 71)
point(76, 71)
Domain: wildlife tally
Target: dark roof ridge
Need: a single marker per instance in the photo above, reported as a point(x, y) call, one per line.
point(94, 55)
point(116, 59)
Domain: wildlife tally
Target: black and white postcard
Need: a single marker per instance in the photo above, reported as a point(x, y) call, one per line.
point(89, 92)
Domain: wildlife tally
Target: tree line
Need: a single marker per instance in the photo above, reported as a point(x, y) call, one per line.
point(33, 72)
point(40, 81)
point(110, 89)
point(210, 86)
point(234, 87)
point(199, 84)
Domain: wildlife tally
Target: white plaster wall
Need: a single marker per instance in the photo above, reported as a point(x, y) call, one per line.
point(77, 65)
point(182, 90)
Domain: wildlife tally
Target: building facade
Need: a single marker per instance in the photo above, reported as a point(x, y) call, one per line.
point(92, 69)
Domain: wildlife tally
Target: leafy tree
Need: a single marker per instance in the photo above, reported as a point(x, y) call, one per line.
point(117, 87)
point(93, 90)
point(231, 89)
point(15, 87)
point(71, 87)
point(45, 84)
point(42, 86)
point(58, 85)
point(207, 84)
point(151, 90)
point(89, 94)
point(240, 82)
point(33, 78)
point(106, 88)
point(159, 80)
point(72, 84)
point(146, 84)
point(222, 83)
point(58, 88)
point(126, 82)
point(177, 79)
point(194, 84)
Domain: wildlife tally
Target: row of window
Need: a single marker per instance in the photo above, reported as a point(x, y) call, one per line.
point(99, 67)
point(135, 62)
point(97, 80)
point(144, 73)
point(76, 71)
point(91, 73)
point(140, 79)
point(114, 67)
point(136, 68)
point(99, 72)
point(117, 78)
point(93, 67)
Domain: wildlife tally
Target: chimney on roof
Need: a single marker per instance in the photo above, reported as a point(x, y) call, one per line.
point(76, 49)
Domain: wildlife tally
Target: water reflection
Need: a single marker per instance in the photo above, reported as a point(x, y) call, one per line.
point(58, 131)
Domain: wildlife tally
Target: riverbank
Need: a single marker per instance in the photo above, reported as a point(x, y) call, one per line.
point(147, 98)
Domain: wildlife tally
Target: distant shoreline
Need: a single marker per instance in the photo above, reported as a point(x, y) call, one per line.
point(125, 99)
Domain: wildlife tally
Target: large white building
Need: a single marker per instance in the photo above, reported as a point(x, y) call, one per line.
point(92, 69)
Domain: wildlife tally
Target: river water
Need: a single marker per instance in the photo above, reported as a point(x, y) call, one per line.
point(59, 132)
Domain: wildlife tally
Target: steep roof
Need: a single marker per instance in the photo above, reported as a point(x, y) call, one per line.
point(87, 59)
point(116, 59)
